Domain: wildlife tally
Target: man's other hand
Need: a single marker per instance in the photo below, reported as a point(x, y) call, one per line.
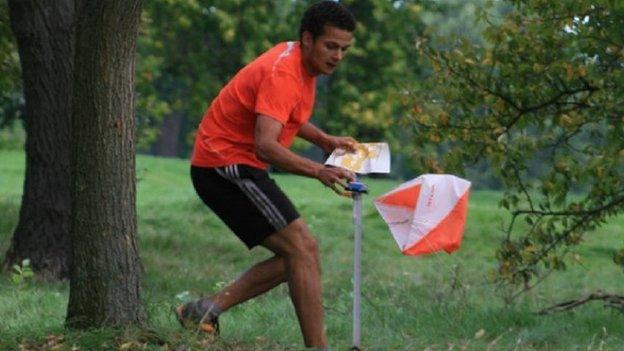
point(336, 178)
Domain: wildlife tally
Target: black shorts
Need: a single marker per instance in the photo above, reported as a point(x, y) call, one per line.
point(246, 199)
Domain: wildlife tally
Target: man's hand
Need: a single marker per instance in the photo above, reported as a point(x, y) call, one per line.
point(325, 141)
point(330, 176)
point(339, 142)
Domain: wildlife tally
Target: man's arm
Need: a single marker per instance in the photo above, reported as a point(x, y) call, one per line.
point(268, 149)
point(323, 140)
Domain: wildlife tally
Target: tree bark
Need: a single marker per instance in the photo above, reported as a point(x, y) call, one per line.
point(45, 37)
point(106, 274)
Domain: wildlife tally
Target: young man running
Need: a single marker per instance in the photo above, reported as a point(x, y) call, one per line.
point(250, 124)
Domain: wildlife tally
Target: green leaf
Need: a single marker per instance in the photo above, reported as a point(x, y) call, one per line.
point(27, 274)
point(17, 269)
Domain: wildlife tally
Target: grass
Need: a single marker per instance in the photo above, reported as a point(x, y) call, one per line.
point(435, 302)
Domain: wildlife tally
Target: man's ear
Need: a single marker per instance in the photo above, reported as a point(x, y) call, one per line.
point(306, 39)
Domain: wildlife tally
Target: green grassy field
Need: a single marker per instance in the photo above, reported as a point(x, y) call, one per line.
point(436, 302)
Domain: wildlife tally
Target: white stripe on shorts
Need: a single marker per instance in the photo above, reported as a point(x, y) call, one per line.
point(274, 215)
point(255, 194)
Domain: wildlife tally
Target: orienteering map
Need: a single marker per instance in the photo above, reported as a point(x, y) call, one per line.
point(367, 158)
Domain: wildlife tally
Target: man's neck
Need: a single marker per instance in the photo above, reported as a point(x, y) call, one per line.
point(305, 62)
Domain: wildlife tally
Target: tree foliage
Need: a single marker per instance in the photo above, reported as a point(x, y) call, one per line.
point(541, 102)
point(363, 97)
point(188, 50)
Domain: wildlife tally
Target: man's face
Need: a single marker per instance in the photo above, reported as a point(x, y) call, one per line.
point(323, 54)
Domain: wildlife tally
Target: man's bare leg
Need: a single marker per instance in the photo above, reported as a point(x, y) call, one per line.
point(298, 247)
point(297, 262)
point(259, 279)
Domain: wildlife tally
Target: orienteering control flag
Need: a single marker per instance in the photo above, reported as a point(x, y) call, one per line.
point(426, 214)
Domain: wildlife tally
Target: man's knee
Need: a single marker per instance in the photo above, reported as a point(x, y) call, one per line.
point(297, 242)
point(303, 242)
point(305, 252)
point(308, 247)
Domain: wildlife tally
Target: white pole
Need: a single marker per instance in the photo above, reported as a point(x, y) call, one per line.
point(357, 272)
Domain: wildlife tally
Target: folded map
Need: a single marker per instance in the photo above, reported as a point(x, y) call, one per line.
point(367, 158)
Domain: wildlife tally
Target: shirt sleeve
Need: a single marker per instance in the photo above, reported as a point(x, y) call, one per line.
point(278, 96)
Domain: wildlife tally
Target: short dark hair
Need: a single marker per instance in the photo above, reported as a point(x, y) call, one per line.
point(323, 13)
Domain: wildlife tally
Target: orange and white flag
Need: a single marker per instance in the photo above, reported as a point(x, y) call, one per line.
point(426, 214)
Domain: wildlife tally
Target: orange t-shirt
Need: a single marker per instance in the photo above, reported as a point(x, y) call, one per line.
point(276, 85)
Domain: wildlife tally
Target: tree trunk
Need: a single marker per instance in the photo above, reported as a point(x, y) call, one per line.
point(106, 274)
point(45, 38)
point(166, 144)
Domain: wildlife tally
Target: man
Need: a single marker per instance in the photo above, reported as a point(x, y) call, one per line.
point(250, 124)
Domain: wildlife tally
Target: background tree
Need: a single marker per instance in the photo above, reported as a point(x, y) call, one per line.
point(45, 38)
point(11, 99)
point(189, 49)
point(105, 277)
point(542, 103)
